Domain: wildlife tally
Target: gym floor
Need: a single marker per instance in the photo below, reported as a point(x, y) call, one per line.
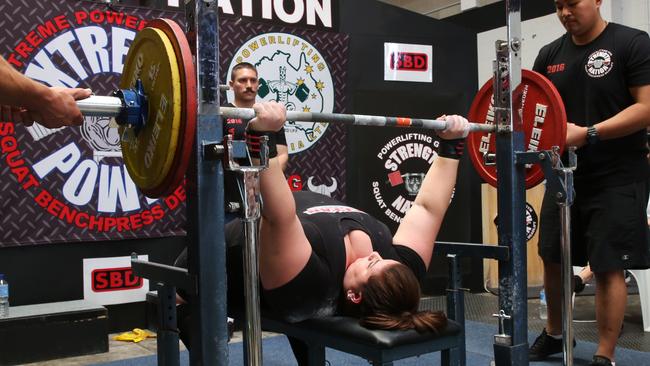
point(478, 307)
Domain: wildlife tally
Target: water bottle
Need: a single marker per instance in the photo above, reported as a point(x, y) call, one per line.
point(4, 297)
point(542, 305)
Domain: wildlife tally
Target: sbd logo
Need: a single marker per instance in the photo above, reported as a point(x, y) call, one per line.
point(409, 61)
point(114, 279)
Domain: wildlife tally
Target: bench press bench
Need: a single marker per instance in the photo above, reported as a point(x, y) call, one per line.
point(380, 347)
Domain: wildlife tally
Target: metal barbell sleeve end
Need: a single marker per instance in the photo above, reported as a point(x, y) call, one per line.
point(100, 106)
point(105, 106)
point(356, 119)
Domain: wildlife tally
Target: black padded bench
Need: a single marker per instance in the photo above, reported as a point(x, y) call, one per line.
point(380, 347)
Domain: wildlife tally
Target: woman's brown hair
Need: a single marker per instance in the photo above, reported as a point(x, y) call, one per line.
point(391, 299)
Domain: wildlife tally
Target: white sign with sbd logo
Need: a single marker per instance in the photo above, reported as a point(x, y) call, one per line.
point(408, 62)
point(109, 281)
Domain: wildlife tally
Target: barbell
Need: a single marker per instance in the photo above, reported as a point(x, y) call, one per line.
point(156, 109)
point(113, 107)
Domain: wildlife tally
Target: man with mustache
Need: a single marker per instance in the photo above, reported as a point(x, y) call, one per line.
point(244, 83)
point(602, 72)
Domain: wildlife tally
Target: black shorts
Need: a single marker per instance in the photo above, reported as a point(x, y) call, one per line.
point(609, 228)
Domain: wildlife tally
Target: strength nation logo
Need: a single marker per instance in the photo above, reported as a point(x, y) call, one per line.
point(599, 63)
point(405, 160)
point(292, 72)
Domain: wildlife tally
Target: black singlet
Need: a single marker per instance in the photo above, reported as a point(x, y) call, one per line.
point(315, 291)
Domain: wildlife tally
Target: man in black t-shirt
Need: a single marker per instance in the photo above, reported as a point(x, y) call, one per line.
point(244, 83)
point(602, 72)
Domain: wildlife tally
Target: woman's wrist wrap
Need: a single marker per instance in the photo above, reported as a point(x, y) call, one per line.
point(452, 149)
point(253, 140)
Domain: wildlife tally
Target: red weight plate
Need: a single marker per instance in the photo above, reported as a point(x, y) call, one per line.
point(544, 124)
point(188, 117)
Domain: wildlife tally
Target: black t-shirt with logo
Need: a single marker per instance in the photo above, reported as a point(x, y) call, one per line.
point(236, 128)
point(315, 291)
point(594, 82)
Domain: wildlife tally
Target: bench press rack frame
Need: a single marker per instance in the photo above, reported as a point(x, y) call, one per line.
point(205, 278)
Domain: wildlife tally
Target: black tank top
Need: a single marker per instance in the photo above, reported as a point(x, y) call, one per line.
point(315, 291)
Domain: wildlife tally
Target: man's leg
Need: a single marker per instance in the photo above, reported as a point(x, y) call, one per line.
point(611, 299)
point(550, 341)
point(553, 291)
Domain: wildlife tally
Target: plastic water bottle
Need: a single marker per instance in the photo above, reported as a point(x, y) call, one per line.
point(542, 305)
point(4, 297)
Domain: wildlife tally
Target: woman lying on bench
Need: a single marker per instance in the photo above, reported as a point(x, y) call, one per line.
point(319, 257)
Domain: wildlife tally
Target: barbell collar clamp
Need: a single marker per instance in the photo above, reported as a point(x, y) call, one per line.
point(135, 108)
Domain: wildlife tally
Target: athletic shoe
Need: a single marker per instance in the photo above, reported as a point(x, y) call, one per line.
point(544, 346)
point(578, 285)
point(600, 361)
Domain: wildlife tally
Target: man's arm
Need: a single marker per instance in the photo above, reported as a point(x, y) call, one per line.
point(630, 120)
point(25, 100)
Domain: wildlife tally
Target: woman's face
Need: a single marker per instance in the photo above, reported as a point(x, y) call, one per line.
point(357, 274)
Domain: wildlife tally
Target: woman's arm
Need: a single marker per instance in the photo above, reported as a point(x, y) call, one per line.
point(421, 223)
point(284, 249)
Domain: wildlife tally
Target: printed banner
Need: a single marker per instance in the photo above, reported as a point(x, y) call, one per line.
point(70, 184)
point(397, 171)
point(321, 14)
point(305, 70)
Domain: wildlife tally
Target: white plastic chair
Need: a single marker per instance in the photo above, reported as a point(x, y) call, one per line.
point(642, 277)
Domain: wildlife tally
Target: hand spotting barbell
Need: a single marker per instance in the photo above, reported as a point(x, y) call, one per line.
point(156, 109)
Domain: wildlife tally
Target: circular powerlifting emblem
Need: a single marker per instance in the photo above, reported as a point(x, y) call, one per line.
point(543, 124)
point(532, 221)
point(402, 163)
point(599, 63)
point(293, 72)
point(149, 153)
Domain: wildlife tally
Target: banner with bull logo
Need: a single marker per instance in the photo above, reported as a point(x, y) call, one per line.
point(71, 184)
